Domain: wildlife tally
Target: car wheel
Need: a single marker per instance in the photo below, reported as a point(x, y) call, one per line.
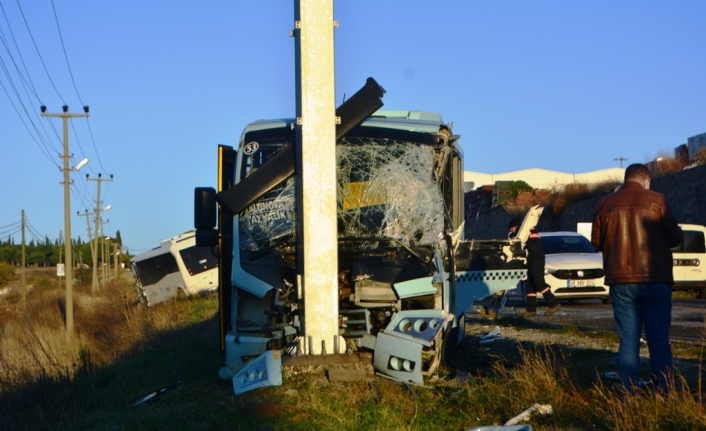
point(605, 300)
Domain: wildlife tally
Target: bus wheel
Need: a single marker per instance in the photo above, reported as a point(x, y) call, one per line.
point(180, 296)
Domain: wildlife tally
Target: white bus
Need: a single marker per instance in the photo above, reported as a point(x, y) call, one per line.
point(177, 265)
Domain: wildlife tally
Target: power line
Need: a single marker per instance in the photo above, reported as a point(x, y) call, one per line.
point(9, 27)
point(38, 53)
point(94, 146)
point(44, 150)
point(10, 233)
point(15, 224)
point(64, 48)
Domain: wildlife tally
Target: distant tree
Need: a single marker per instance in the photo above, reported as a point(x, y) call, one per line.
point(520, 186)
point(36, 257)
point(700, 157)
point(118, 238)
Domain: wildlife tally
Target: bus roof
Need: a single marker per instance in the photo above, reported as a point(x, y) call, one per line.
point(414, 121)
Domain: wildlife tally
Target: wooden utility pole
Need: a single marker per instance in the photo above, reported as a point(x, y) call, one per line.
point(67, 216)
point(317, 235)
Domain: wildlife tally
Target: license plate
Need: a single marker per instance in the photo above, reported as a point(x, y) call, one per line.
point(580, 283)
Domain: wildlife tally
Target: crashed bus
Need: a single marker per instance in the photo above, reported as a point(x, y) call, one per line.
point(176, 267)
point(406, 277)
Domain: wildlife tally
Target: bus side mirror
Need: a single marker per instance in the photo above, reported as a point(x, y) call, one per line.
point(205, 215)
point(205, 208)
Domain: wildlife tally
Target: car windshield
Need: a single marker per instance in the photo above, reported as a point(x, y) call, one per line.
point(566, 244)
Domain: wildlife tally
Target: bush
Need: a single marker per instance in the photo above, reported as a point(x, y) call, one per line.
point(7, 273)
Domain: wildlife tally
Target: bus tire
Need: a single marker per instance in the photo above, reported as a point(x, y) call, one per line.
point(180, 295)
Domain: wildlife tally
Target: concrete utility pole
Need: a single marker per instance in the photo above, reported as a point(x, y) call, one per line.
point(317, 247)
point(24, 286)
point(100, 179)
point(115, 259)
point(67, 216)
point(102, 244)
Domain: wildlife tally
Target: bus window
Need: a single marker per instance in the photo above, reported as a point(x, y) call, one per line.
point(198, 259)
point(151, 270)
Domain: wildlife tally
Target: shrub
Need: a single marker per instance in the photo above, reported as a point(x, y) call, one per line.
point(7, 273)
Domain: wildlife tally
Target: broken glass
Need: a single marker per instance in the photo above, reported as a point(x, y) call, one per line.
point(386, 189)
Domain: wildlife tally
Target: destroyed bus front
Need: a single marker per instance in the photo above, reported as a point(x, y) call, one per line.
point(399, 198)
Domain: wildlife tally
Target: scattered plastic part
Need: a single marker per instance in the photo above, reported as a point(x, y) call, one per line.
point(152, 395)
point(490, 340)
point(411, 391)
point(544, 409)
point(502, 428)
point(494, 333)
point(265, 370)
point(376, 395)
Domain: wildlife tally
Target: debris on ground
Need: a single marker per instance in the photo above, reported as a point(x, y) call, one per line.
point(154, 394)
point(544, 409)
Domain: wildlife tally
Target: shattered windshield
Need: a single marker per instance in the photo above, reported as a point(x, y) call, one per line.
point(386, 189)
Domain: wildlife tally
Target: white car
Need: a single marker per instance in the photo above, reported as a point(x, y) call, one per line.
point(688, 272)
point(573, 268)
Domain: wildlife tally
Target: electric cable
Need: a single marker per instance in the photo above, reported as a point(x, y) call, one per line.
point(9, 27)
point(43, 150)
point(78, 142)
point(10, 233)
point(38, 53)
point(11, 225)
point(19, 99)
point(90, 131)
point(65, 55)
point(33, 231)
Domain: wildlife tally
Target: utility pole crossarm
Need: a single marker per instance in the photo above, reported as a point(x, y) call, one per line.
point(621, 160)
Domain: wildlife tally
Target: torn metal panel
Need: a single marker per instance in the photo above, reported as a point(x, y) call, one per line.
point(417, 287)
point(420, 326)
point(265, 370)
point(240, 349)
point(399, 358)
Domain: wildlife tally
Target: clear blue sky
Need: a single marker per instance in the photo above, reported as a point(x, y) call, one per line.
point(559, 85)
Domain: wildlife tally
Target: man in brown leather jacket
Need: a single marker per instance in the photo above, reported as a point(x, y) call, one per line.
point(634, 228)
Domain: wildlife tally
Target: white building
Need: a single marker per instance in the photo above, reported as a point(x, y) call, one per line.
point(545, 179)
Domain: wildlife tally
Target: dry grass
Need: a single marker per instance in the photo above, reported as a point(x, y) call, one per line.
point(122, 351)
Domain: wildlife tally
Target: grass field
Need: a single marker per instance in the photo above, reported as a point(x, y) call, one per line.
point(122, 352)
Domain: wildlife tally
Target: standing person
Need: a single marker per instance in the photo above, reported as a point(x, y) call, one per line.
point(535, 277)
point(634, 228)
point(535, 272)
